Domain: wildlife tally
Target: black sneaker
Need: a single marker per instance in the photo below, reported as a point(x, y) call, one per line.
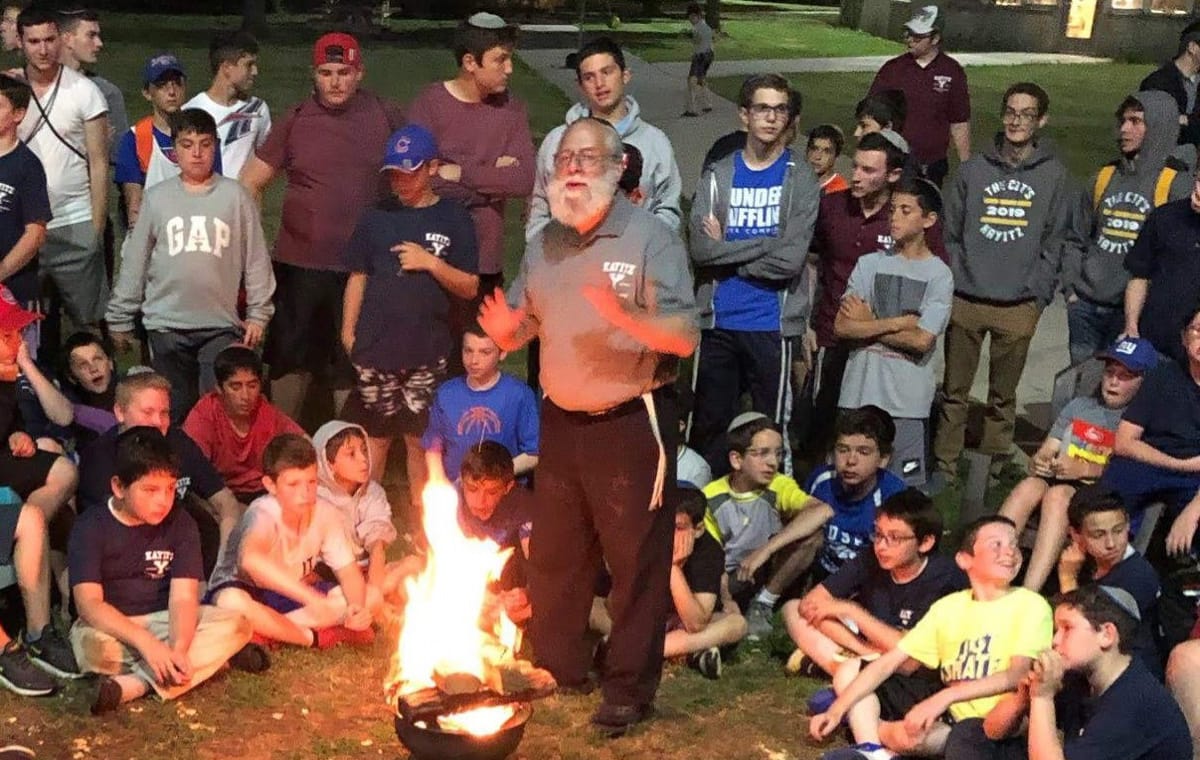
point(107, 696)
point(16, 752)
point(707, 662)
point(53, 654)
point(20, 676)
point(251, 658)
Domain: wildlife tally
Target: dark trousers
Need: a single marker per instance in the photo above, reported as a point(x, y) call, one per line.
point(730, 363)
point(824, 390)
point(936, 171)
point(594, 484)
point(967, 741)
point(185, 357)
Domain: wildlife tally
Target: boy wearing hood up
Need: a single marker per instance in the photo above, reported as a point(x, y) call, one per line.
point(1008, 214)
point(603, 76)
point(344, 480)
point(1123, 192)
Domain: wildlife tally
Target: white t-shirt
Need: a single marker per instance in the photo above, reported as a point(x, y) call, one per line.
point(72, 102)
point(241, 127)
point(325, 540)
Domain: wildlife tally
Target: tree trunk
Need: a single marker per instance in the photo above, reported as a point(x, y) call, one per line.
point(254, 17)
point(712, 13)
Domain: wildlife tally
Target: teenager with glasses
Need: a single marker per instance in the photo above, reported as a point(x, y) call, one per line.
point(751, 225)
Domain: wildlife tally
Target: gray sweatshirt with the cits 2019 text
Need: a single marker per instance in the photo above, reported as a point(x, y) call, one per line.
point(1007, 226)
point(186, 258)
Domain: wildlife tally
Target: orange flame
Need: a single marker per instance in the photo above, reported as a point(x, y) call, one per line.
point(442, 634)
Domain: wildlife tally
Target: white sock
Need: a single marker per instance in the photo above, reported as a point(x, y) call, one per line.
point(767, 598)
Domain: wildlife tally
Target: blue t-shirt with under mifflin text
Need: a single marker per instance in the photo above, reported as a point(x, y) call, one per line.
point(404, 323)
point(849, 532)
point(742, 303)
point(462, 417)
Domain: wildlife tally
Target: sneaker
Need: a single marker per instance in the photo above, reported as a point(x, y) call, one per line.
point(327, 638)
point(689, 114)
point(613, 721)
point(16, 752)
point(758, 620)
point(107, 696)
point(707, 662)
point(800, 664)
point(864, 751)
point(251, 658)
point(20, 676)
point(53, 654)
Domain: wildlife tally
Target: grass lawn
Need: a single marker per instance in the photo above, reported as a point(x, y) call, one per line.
point(754, 35)
point(1080, 123)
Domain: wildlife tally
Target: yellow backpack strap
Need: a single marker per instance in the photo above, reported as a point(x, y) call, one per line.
point(1162, 188)
point(1102, 179)
point(143, 138)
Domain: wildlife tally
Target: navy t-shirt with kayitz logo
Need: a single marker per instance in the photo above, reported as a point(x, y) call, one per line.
point(404, 321)
point(23, 200)
point(755, 199)
point(134, 564)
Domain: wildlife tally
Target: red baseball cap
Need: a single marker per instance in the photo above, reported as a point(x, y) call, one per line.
point(12, 315)
point(337, 47)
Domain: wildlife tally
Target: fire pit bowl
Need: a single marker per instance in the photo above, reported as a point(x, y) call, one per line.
point(432, 743)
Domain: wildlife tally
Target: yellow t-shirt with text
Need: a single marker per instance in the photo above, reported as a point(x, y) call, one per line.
point(965, 639)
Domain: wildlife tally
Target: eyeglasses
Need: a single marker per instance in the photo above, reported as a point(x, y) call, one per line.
point(1020, 117)
point(762, 109)
point(890, 539)
point(587, 159)
point(765, 452)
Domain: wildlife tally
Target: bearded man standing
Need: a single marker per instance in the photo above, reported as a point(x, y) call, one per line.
point(605, 287)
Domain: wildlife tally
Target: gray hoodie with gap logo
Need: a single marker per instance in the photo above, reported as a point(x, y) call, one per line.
point(1094, 270)
point(184, 261)
point(1006, 225)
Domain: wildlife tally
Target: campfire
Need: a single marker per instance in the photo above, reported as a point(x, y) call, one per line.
point(457, 685)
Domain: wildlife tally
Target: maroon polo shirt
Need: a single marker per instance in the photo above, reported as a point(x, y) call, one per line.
point(842, 236)
point(331, 157)
point(935, 97)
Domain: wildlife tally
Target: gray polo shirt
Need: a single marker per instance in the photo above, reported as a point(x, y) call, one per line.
point(588, 365)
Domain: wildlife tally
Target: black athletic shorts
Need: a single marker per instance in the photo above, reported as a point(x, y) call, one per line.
point(901, 693)
point(305, 333)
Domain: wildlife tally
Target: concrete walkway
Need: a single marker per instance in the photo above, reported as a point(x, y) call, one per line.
point(660, 92)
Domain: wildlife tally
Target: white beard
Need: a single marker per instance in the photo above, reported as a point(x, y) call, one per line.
point(578, 207)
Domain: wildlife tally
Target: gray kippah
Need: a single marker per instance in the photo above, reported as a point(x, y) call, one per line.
point(895, 139)
point(483, 20)
point(745, 418)
point(1124, 600)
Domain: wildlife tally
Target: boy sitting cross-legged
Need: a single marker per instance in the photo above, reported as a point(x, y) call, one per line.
point(344, 480)
point(268, 569)
point(866, 607)
point(698, 626)
point(746, 510)
point(983, 641)
point(135, 570)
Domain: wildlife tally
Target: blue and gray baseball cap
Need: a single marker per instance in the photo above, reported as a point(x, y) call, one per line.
point(409, 148)
point(1136, 354)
